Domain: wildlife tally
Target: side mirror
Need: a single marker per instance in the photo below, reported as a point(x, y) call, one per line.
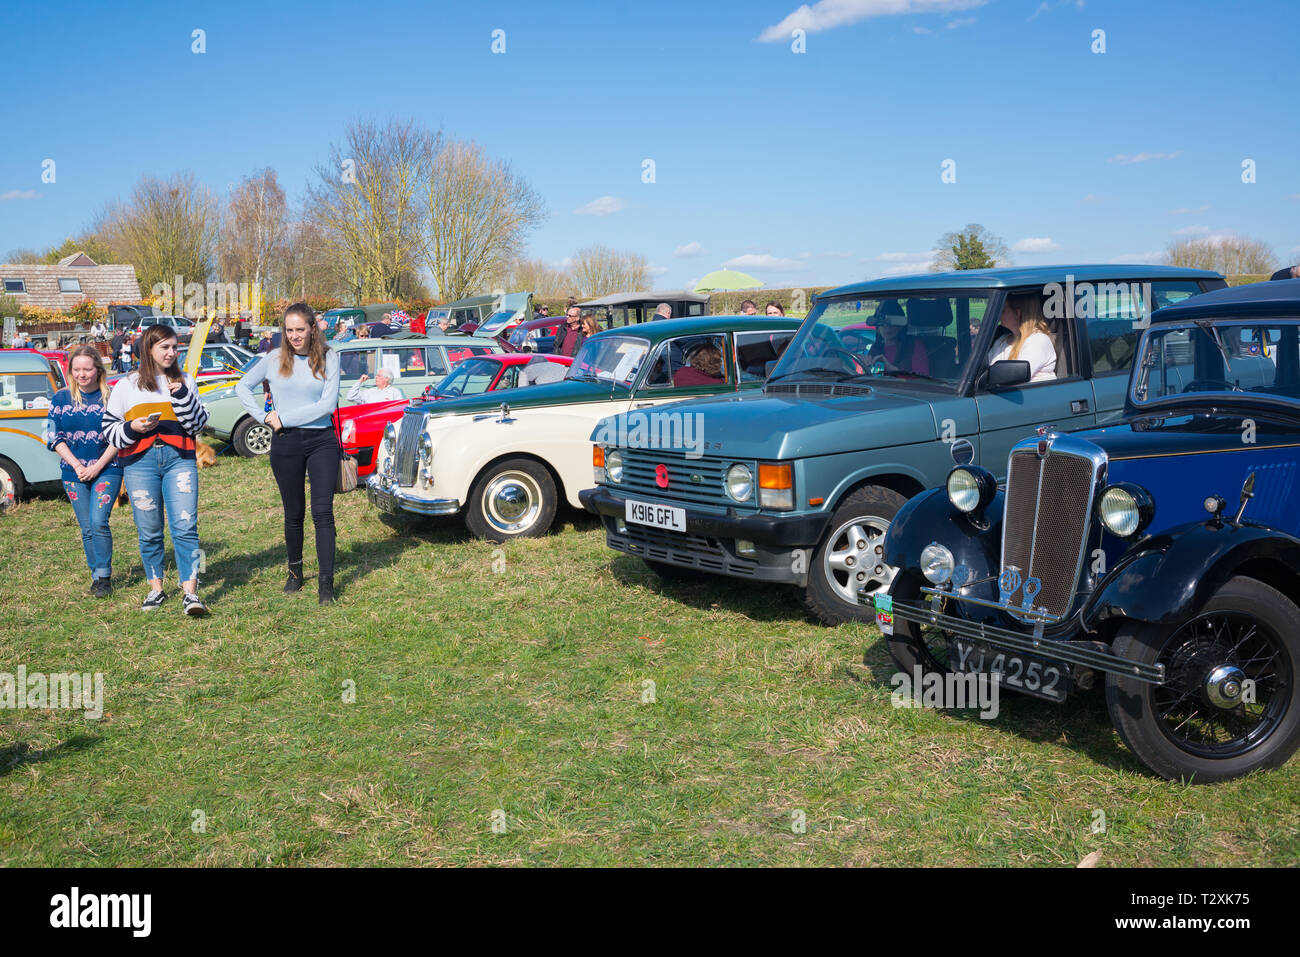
point(1008, 373)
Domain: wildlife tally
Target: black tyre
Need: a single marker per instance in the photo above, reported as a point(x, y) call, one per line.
point(16, 477)
point(251, 438)
point(1230, 703)
point(850, 557)
point(912, 645)
point(515, 498)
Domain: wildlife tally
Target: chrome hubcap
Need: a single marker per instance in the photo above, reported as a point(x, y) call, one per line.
point(1223, 686)
point(258, 439)
point(851, 560)
point(512, 502)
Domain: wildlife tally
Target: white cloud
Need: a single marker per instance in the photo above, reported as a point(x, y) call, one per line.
point(1124, 159)
point(692, 283)
point(1044, 7)
point(689, 250)
point(19, 194)
point(1035, 244)
point(764, 261)
point(904, 263)
point(1196, 230)
point(601, 207)
point(656, 270)
point(829, 14)
point(921, 30)
point(963, 22)
point(1184, 210)
point(1140, 258)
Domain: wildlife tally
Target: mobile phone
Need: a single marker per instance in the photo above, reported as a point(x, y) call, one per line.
point(154, 416)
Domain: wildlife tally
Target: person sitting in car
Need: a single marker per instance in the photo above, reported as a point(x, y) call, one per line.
point(703, 367)
point(1024, 335)
point(382, 391)
point(894, 350)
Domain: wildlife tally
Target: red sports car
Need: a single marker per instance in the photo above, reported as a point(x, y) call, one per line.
point(362, 426)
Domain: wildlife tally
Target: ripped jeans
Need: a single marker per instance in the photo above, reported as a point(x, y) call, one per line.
point(161, 481)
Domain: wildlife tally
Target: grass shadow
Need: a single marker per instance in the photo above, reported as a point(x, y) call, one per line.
point(761, 601)
point(20, 753)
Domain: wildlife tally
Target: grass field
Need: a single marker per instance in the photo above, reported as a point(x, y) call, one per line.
point(500, 717)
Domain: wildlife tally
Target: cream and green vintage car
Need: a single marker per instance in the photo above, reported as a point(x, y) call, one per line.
point(506, 459)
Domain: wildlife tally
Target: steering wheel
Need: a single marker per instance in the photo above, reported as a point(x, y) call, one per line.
point(856, 362)
point(1199, 385)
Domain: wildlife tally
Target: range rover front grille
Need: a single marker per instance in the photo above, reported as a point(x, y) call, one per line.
point(691, 481)
point(408, 448)
point(1046, 521)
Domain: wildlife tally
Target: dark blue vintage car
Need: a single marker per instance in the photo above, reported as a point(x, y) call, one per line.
point(1161, 554)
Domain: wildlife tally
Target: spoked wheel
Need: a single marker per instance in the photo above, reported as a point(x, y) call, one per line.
point(912, 645)
point(1230, 702)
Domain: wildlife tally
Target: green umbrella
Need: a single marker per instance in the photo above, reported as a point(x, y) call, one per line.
point(727, 279)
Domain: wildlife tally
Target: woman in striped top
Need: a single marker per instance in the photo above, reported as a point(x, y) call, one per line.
point(153, 417)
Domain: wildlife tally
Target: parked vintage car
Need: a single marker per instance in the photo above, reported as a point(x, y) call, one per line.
point(217, 362)
point(361, 427)
point(355, 315)
point(536, 335)
point(1160, 555)
point(802, 479)
point(58, 362)
point(508, 470)
point(629, 308)
point(414, 362)
point(27, 385)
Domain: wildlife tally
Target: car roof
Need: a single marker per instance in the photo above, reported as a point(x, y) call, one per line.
point(623, 298)
point(661, 329)
point(1279, 298)
point(22, 360)
point(1009, 276)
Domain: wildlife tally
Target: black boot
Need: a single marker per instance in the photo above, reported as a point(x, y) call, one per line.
point(325, 589)
point(101, 587)
point(295, 578)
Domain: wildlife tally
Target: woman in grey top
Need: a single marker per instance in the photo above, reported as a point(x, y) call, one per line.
point(303, 375)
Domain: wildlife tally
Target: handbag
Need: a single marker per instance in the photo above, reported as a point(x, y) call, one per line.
point(347, 479)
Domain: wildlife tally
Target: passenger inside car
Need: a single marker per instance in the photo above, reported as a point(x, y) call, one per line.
point(704, 367)
point(1026, 336)
point(894, 350)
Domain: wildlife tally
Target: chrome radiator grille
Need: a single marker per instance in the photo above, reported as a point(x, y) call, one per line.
point(1045, 524)
point(408, 448)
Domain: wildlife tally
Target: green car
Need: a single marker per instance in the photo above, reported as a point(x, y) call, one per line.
point(415, 362)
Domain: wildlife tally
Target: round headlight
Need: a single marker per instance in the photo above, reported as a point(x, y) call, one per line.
point(390, 437)
point(426, 448)
point(1125, 509)
point(971, 488)
point(614, 465)
point(936, 563)
point(740, 483)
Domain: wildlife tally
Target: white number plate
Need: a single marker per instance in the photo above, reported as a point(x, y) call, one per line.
point(657, 516)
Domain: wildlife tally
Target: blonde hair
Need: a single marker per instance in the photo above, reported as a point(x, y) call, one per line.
point(1030, 308)
point(101, 374)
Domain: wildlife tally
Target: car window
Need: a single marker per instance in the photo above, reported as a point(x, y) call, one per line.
point(404, 363)
point(354, 362)
point(754, 350)
point(1119, 313)
point(688, 362)
point(457, 353)
point(25, 390)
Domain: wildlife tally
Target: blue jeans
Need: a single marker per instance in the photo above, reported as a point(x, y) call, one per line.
point(161, 481)
point(92, 503)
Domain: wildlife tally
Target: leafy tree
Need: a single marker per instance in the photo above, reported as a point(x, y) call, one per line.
point(972, 248)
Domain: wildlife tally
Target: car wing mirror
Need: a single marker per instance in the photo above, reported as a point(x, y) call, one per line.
point(1008, 373)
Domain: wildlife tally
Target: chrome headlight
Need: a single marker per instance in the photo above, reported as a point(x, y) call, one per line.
point(390, 438)
point(740, 483)
point(1126, 509)
point(426, 448)
point(614, 466)
point(971, 488)
point(936, 563)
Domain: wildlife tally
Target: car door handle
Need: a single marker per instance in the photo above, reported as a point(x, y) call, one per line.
point(1079, 405)
point(642, 405)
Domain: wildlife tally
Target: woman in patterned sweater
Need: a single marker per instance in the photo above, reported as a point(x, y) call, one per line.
point(92, 475)
point(153, 417)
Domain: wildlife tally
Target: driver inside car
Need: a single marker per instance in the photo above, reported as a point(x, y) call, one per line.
point(894, 349)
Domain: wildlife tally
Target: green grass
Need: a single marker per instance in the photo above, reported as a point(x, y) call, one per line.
point(522, 692)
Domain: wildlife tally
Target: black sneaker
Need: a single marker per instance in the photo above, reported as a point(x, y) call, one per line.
point(192, 605)
point(155, 600)
point(101, 587)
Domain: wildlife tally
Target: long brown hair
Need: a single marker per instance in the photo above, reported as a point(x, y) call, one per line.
point(1030, 307)
point(101, 374)
point(315, 342)
point(147, 374)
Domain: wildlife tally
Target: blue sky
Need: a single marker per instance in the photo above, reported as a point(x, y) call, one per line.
point(806, 168)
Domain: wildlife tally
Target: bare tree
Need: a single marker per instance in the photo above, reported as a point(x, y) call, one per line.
point(971, 248)
point(598, 270)
point(28, 257)
point(534, 275)
point(254, 229)
point(167, 228)
point(1230, 255)
point(478, 214)
point(367, 204)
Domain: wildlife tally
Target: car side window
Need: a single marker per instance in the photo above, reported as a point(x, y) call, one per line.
point(754, 350)
point(354, 362)
point(25, 390)
point(1119, 313)
point(435, 361)
point(688, 362)
point(404, 363)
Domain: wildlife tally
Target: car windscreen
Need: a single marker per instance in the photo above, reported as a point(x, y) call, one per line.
point(921, 336)
point(471, 377)
point(494, 323)
point(1221, 357)
point(614, 359)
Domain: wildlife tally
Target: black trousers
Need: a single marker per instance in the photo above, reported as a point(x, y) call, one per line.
point(296, 454)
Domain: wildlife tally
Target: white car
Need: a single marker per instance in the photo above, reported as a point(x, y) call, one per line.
point(506, 459)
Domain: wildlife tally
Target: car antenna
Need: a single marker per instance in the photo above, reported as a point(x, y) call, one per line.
point(1247, 493)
